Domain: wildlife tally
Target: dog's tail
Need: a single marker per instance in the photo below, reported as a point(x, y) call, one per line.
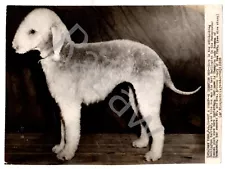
point(170, 84)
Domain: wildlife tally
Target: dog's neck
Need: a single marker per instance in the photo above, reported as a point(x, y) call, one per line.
point(46, 49)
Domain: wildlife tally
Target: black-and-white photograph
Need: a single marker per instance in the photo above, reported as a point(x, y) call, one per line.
point(105, 85)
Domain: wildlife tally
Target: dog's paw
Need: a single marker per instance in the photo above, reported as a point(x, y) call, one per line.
point(140, 143)
point(57, 148)
point(154, 156)
point(65, 155)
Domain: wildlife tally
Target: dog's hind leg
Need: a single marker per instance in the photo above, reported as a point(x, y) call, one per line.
point(149, 105)
point(143, 140)
point(59, 147)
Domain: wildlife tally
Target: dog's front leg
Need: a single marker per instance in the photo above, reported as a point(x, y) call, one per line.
point(71, 117)
point(59, 147)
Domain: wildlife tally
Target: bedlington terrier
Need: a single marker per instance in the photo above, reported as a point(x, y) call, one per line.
point(79, 77)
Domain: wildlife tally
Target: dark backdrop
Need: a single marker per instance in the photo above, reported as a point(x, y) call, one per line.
point(175, 33)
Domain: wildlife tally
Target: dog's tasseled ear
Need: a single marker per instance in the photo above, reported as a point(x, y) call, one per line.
point(58, 39)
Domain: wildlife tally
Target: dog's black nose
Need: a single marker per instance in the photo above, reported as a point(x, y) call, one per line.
point(16, 47)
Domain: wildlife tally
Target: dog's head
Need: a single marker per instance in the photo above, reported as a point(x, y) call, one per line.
point(41, 30)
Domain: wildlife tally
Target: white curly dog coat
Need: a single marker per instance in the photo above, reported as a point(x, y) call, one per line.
point(78, 76)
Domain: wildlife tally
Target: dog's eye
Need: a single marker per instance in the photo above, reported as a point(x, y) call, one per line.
point(32, 32)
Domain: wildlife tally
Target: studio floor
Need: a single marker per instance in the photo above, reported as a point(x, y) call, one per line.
point(103, 149)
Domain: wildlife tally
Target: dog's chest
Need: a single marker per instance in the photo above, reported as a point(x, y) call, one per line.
point(60, 83)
